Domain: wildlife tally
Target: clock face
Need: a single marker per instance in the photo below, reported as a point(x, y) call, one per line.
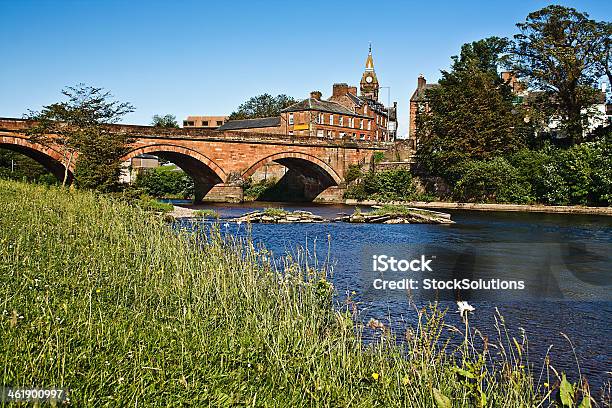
point(368, 79)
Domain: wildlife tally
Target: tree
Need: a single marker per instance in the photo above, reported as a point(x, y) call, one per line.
point(78, 127)
point(471, 114)
point(262, 106)
point(165, 121)
point(563, 54)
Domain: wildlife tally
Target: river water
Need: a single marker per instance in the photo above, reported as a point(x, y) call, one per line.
point(586, 323)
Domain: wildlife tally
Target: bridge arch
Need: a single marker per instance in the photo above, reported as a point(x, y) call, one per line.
point(204, 172)
point(48, 157)
point(312, 173)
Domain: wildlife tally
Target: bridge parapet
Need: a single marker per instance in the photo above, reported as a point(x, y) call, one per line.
point(139, 131)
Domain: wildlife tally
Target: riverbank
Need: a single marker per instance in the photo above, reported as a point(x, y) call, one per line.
point(114, 304)
point(444, 205)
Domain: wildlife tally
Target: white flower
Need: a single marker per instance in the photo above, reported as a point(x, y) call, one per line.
point(226, 225)
point(464, 308)
point(239, 222)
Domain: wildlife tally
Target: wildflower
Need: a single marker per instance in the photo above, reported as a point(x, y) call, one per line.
point(375, 376)
point(97, 290)
point(464, 308)
point(405, 380)
point(546, 385)
point(239, 222)
point(226, 225)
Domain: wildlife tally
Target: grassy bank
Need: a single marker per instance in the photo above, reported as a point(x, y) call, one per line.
point(110, 302)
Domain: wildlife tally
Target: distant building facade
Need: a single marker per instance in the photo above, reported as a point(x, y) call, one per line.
point(418, 103)
point(204, 122)
point(137, 165)
point(345, 115)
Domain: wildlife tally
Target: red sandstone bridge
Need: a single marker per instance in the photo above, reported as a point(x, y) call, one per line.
point(219, 161)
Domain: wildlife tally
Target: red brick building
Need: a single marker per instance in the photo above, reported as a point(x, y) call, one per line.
point(345, 115)
point(418, 103)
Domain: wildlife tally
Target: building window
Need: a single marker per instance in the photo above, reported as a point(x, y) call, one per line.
point(204, 123)
point(369, 125)
point(341, 119)
point(320, 133)
point(321, 118)
point(377, 119)
point(331, 119)
point(362, 136)
point(330, 134)
point(188, 123)
point(291, 118)
point(360, 123)
point(291, 133)
point(354, 135)
point(219, 122)
point(342, 134)
point(365, 109)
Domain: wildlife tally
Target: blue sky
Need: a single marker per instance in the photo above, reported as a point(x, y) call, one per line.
point(200, 58)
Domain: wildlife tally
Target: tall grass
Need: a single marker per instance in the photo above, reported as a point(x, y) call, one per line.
point(110, 302)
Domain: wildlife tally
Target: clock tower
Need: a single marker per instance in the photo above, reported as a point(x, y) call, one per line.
point(369, 82)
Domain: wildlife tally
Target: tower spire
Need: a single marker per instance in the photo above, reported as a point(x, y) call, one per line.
point(369, 82)
point(369, 65)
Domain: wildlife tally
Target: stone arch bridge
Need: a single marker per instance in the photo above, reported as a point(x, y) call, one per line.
point(218, 161)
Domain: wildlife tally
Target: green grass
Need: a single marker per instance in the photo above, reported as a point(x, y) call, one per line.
point(107, 300)
point(206, 213)
point(389, 209)
point(275, 212)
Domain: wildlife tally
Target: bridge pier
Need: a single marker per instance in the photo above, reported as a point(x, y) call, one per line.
point(333, 194)
point(224, 193)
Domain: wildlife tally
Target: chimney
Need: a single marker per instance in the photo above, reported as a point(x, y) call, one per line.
point(421, 82)
point(316, 95)
point(340, 89)
point(352, 90)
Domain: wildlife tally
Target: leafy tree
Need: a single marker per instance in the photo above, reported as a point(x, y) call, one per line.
point(262, 106)
point(471, 113)
point(165, 121)
point(78, 127)
point(563, 54)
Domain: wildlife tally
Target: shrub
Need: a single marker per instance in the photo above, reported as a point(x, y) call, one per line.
point(255, 190)
point(493, 180)
point(356, 191)
point(165, 181)
point(353, 173)
point(386, 185)
point(378, 157)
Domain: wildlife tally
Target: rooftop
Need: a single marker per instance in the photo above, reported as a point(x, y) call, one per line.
point(419, 93)
point(251, 123)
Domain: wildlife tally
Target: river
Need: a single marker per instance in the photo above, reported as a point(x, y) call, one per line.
point(586, 323)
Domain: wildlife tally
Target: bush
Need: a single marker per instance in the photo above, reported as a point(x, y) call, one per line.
point(165, 181)
point(353, 173)
point(255, 190)
point(386, 185)
point(493, 180)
